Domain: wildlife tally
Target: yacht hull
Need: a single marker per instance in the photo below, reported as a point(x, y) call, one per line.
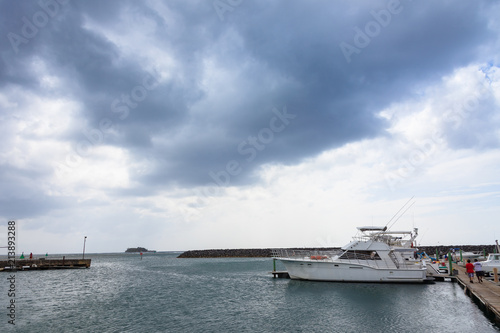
point(350, 272)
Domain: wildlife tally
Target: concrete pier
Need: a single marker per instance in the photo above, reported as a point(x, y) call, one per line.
point(42, 263)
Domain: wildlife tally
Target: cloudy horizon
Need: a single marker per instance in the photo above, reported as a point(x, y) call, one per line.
point(178, 125)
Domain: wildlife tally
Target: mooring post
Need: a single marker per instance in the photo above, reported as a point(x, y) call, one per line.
point(461, 258)
point(274, 264)
point(84, 240)
point(495, 273)
point(450, 272)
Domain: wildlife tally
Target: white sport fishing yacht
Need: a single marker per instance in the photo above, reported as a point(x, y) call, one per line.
point(374, 255)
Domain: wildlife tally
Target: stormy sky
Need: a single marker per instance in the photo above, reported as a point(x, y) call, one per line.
point(180, 125)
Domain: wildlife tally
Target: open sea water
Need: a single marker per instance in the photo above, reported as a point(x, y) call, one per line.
point(160, 293)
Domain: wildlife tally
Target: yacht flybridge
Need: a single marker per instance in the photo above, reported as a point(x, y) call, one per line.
point(375, 255)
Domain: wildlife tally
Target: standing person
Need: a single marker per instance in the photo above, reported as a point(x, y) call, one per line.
point(469, 268)
point(478, 267)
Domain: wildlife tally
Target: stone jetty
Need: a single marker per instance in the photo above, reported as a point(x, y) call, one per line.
point(240, 253)
point(261, 253)
point(444, 249)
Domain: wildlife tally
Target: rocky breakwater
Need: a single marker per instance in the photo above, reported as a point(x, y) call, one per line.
point(239, 253)
point(444, 249)
point(263, 253)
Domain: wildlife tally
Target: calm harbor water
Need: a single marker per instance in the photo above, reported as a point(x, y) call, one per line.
point(121, 293)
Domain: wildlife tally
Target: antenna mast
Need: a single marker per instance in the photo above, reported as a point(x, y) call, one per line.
point(400, 209)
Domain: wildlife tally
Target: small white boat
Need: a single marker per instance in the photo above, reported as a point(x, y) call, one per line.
point(466, 255)
point(374, 255)
point(493, 261)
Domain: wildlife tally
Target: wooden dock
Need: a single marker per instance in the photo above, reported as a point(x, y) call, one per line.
point(486, 294)
point(43, 264)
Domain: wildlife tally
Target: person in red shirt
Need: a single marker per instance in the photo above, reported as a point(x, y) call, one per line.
point(469, 268)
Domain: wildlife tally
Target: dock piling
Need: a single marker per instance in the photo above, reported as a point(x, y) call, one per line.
point(450, 260)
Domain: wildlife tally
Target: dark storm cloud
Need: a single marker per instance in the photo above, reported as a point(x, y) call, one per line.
point(282, 55)
point(335, 102)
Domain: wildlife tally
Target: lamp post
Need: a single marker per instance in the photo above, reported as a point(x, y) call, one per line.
point(84, 240)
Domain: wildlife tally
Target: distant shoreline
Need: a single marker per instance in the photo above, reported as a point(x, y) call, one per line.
point(266, 252)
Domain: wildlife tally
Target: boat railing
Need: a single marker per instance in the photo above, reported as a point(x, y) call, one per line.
point(394, 259)
point(305, 254)
point(383, 238)
point(411, 264)
point(374, 260)
point(361, 258)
